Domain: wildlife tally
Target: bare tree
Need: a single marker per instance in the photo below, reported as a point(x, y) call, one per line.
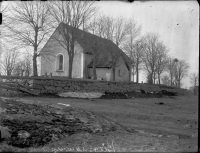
point(135, 53)
point(121, 31)
point(133, 30)
point(114, 29)
point(165, 80)
point(130, 51)
point(149, 78)
point(194, 79)
point(150, 56)
point(162, 59)
point(139, 47)
point(28, 24)
point(96, 25)
point(109, 27)
point(114, 56)
point(96, 28)
point(19, 69)
point(9, 60)
point(3, 10)
point(27, 65)
point(171, 67)
point(154, 56)
point(72, 15)
point(134, 48)
point(176, 83)
point(23, 66)
point(182, 71)
point(95, 47)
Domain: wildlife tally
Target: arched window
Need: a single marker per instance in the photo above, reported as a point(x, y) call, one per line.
point(59, 62)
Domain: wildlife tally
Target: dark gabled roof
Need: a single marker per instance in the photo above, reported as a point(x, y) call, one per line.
point(89, 42)
point(101, 64)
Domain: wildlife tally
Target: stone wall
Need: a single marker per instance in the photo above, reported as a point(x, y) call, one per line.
point(52, 85)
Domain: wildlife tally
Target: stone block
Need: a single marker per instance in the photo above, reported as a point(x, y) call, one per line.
point(38, 87)
point(66, 88)
point(43, 91)
point(50, 88)
point(59, 89)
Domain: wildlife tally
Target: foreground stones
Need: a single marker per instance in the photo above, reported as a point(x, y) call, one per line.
point(28, 123)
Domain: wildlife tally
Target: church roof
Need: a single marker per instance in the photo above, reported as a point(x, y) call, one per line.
point(91, 43)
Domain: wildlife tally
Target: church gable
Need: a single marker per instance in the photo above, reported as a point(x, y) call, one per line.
point(55, 60)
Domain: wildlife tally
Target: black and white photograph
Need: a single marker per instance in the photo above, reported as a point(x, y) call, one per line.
point(99, 76)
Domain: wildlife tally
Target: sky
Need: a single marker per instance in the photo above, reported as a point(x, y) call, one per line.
point(176, 22)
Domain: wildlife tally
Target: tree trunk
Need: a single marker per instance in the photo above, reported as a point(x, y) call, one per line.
point(137, 71)
point(22, 72)
point(113, 74)
point(150, 78)
point(84, 68)
point(71, 57)
point(179, 83)
point(94, 69)
point(154, 78)
point(171, 79)
point(8, 74)
point(133, 74)
point(159, 79)
point(35, 65)
point(70, 67)
point(130, 68)
point(35, 53)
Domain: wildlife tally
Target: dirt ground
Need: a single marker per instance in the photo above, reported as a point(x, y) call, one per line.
point(157, 124)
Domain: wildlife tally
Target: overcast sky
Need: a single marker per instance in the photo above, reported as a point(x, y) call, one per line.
point(176, 22)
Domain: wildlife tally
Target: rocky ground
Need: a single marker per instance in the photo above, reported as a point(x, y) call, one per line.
point(125, 122)
point(26, 124)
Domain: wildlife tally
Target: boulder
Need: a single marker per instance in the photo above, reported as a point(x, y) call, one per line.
point(23, 134)
point(5, 133)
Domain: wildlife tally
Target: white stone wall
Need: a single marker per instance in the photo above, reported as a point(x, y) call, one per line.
point(124, 72)
point(104, 72)
point(48, 59)
point(101, 73)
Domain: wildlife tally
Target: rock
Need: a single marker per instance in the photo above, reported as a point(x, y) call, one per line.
point(67, 105)
point(83, 119)
point(81, 94)
point(69, 117)
point(23, 134)
point(160, 103)
point(2, 110)
point(58, 112)
point(142, 91)
point(5, 132)
point(168, 93)
point(173, 136)
point(96, 127)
